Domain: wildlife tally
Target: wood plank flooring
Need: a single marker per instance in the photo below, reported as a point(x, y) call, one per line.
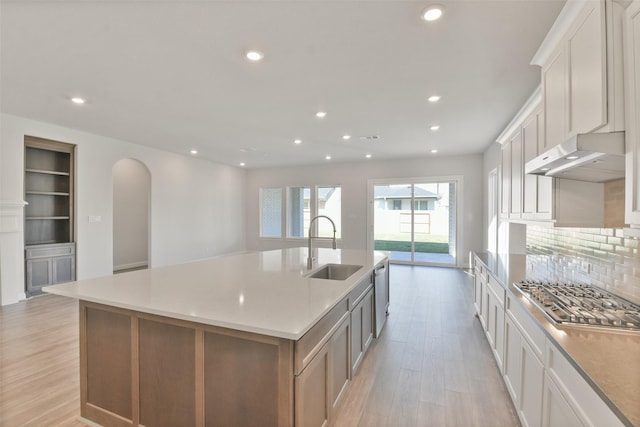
point(39, 363)
point(431, 367)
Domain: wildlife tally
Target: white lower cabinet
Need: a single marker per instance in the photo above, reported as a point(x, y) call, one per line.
point(495, 319)
point(556, 411)
point(545, 387)
point(512, 360)
point(532, 369)
point(480, 284)
point(569, 388)
point(523, 375)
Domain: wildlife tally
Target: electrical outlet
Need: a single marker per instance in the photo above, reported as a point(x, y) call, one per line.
point(586, 267)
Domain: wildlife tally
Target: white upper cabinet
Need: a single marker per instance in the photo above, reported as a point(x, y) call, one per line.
point(526, 198)
point(632, 73)
point(581, 60)
point(555, 94)
point(505, 181)
point(587, 57)
point(517, 173)
point(514, 140)
point(536, 190)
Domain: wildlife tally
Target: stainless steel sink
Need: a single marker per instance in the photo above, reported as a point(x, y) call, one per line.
point(335, 271)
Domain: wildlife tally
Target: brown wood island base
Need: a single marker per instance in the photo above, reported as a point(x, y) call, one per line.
point(141, 369)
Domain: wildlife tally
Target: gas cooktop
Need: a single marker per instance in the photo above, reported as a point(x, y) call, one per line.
point(579, 304)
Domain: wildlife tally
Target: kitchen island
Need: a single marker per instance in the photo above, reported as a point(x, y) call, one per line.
point(244, 339)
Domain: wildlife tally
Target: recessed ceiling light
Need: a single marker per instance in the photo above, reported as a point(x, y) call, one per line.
point(434, 151)
point(368, 156)
point(241, 163)
point(327, 157)
point(432, 13)
point(297, 141)
point(346, 137)
point(572, 157)
point(77, 100)
point(194, 151)
point(434, 98)
point(321, 114)
point(544, 169)
point(254, 55)
point(434, 127)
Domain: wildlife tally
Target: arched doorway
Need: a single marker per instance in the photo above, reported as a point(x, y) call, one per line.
point(131, 215)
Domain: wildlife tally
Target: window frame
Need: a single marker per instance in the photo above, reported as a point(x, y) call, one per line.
point(286, 205)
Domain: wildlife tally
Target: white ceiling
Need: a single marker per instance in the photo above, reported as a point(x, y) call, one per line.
point(172, 74)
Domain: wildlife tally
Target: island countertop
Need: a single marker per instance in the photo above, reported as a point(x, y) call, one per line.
point(261, 292)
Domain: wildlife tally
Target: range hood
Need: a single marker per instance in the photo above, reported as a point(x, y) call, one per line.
point(593, 157)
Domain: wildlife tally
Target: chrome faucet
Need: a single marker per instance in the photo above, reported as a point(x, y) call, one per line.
point(334, 245)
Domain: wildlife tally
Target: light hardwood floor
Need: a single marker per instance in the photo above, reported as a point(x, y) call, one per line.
point(431, 367)
point(39, 363)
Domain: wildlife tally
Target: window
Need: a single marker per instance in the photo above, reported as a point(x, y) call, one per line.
point(329, 203)
point(421, 227)
point(423, 205)
point(298, 211)
point(271, 212)
point(302, 204)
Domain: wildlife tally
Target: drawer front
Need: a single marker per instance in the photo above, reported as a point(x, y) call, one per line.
point(480, 267)
point(311, 342)
point(497, 289)
point(528, 326)
point(359, 291)
point(50, 251)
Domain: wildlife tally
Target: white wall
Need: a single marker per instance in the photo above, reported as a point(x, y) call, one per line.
point(353, 178)
point(197, 207)
point(131, 194)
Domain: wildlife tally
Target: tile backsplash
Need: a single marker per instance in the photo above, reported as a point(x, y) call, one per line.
point(600, 256)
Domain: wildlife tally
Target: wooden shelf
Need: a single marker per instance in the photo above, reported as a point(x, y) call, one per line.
point(44, 242)
point(46, 193)
point(47, 172)
point(45, 217)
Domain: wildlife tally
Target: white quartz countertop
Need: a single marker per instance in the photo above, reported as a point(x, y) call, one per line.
point(261, 292)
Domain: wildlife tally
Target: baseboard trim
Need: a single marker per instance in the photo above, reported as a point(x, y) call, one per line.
point(138, 264)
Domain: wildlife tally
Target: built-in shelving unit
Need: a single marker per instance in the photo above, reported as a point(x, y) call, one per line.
point(49, 213)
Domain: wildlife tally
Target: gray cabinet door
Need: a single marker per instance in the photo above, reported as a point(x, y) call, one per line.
point(48, 265)
point(39, 273)
point(63, 269)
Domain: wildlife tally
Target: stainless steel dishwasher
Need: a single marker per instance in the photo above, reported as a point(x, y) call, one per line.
point(381, 284)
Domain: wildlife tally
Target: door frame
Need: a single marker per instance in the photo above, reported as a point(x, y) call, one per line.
point(458, 179)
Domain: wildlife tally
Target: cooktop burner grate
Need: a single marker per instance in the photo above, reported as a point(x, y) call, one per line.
point(569, 303)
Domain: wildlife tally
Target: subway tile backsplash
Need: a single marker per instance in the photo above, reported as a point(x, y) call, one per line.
point(600, 256)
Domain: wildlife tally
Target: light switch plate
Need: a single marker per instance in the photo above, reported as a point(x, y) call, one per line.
point(95, 218)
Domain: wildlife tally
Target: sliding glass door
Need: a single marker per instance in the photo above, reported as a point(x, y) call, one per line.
point(416, 221)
